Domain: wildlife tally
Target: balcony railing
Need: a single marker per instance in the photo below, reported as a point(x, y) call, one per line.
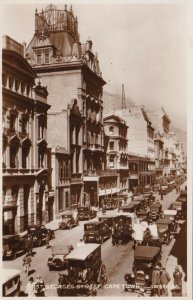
point(100, 173)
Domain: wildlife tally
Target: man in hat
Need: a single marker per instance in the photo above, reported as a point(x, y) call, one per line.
point(27, 263)
point(178, 279)
point(156, 281)
point(39, 287)
point(165, 279)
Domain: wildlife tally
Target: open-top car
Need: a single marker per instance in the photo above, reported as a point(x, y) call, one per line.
point(155, 210)
point(69, 219)
point(145, 259)
point(110, 203)
point(86, 213)
point(96, 232)
point(165, 230)
point(59, 252)
point(85, 272)
point(12, 246)
point(39, 234)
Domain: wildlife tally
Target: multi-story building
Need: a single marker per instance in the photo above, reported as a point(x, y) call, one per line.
point(117, 154)
point(25, 173)
point(158, 143)
point(71, 71)
point(140, 136)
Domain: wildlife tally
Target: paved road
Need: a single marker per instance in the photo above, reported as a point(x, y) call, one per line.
point(118, 259)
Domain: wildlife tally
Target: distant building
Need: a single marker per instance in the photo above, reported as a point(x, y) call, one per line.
point(141, 150)
point(117, 157)
point(25, 172)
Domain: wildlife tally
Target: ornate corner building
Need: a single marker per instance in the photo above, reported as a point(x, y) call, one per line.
point(72, 74)
point(25, 173)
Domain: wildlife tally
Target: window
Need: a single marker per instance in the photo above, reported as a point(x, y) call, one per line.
point(46, 58)
point(67, 200)
point(111, 130)
point(60, 199)
point(41, 129)
point(24, 124)
point(13, 156)
point(111, 145)
point(39, 59)
point(111, 162)
point(12, 121)
point(40, 157)
point(25, 152)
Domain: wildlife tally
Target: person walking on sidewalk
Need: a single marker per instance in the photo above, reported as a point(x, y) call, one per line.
point(178, 281)
point(30, 288)
point(27, 263)
point(165, 279)
point(156, 281)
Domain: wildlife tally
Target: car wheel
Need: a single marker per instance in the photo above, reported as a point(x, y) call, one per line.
point(69, 225)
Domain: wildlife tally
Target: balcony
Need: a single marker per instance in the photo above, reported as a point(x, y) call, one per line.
point(95, 174)
point(76, 178)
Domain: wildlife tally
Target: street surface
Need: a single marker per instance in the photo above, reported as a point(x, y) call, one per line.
point(118, 259)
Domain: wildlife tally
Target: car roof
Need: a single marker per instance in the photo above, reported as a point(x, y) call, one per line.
point(136, 201)
point(170, 212)
point(60, 249)
point(138, 198)
point(81, 252)
point(9, 274)
point(164, 221)
point(130, 205)
point(155, 205)
point(94, 223)
point(146, 252)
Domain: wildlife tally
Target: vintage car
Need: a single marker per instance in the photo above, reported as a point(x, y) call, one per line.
point(147, 189)
point(69, 219)
point(149, 198)
point(11, 282)
point(131, 207)
point(143, 215)
point(165, 230)
point(86, 213)
point(85, 272)
point(59, 252)
point(172, 215)
point(122, 229)
point(156, 187)
point(110, 203)
point(145, 259)
point(96, 232)
point(155, 210)
point(164, 189)
point(107, 219)
point(181, 209)
point(137, 204)
point(12, 246)
point(143, 201)
point(39, 234)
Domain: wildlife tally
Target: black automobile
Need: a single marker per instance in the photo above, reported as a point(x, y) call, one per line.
point(143, 215)
point(57, 260)
point(39, 234)
point(85, 272)
point(86, 213)
point(145, 259)
point(155, 211)
point(96, 232)
point(131, 207)
point(110, 203)
point(12, 246)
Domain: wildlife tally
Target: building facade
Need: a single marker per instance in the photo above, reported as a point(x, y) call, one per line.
point(25, 173)
point(117, 157)
point(71, 71)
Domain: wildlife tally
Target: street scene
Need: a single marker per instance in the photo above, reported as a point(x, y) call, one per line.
point(94, 182)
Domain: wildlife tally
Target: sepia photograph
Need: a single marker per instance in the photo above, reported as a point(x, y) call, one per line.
point(94, 149)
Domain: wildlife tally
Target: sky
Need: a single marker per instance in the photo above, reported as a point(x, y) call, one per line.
point(143, 46)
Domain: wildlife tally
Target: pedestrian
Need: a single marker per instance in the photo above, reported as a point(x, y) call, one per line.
point(39, 287)
point(27, 263)
point(178, 280)
point(47, 241)
point(165, 279)
point(29, 243)
point(80, 243)
point(30, 287)
point(156, 281)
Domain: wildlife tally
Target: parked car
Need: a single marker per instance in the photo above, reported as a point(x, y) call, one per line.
point(145, 259)
point(39, 234)
point(96, 232)
point(57, 261)
point(11, 282)
point(181, 209)
point(143, 215)
point(69, 219)
point(147, 189)
point(164, 189)
point(172, 215)
point(165, 230)
point(85, 271)
point(137, 204)
point(86, 213)
point(155, 210)
point(110, 203)
point(12, 246)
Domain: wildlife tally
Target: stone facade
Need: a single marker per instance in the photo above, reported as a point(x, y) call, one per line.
point(25, 174)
